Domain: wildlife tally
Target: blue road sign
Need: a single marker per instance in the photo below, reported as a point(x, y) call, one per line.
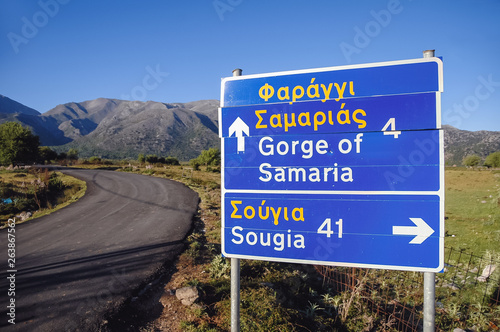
point(379, 231)
point(337, 166)
point(410, 112)
point(375, 79)
point(368, 161)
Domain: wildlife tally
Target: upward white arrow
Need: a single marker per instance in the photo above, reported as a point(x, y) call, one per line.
point(421, 230)
point(239, 127)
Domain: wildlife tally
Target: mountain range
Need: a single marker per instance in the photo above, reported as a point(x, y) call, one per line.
point(112, 128)
point(116, 129)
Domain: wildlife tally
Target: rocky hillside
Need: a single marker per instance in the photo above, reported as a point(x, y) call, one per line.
point(79, 119)
point(130, 128)
point(461, 143)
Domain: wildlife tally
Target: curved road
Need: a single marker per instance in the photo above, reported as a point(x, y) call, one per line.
point(81, 262)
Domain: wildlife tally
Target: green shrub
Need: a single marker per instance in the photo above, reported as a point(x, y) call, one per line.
point(472, 160)
point(25, 204)
point(94, 160)
point(195, 163)
point(210, 157)
point(6, 190)
point(493, 160)
point(152, 158)
point(55, 183)
point(219, 267)
point(171, 161)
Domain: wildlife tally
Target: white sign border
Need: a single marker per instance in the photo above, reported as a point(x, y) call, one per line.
point(439, 193)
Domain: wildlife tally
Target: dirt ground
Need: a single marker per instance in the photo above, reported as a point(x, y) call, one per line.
point(174, 312)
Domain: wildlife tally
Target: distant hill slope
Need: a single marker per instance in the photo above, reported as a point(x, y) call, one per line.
point(461, 143)
point(112, 128)
point(9, 106)
point(79, 119)
point(45, 127)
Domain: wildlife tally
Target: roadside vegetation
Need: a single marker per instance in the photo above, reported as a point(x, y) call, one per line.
point(472, 208)
point(279, 296)
point(491, 161)
point(28, 193)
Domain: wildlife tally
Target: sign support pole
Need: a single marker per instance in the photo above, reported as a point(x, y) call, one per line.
point(429, 299)
point(235, 277)
point(235, 294)
point(429, 277)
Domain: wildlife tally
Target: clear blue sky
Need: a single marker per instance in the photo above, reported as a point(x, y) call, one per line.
point(58, 51)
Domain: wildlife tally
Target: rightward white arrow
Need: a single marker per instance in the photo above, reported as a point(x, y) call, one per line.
point(421, 230)
point(239, 127)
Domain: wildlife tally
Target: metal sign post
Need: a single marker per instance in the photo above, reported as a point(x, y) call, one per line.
point(235, 277)
point(429, 277)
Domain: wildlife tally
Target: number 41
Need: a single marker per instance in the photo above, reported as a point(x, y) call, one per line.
point(326, 228)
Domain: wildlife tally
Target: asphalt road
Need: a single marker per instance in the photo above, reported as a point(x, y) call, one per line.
point(81, 262)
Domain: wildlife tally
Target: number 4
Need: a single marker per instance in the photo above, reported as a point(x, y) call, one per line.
point(392, 131)
point(328, 225)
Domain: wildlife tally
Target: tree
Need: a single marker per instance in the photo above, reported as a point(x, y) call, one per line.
point(195, 163)
point(152, 158)
point(72, 154)
point(493, 160)
point(95, 160)
point(210, 157)
point(472, 160)
point(171, 161)
point(47, 154)
point(141, 158)
point(17, 144)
